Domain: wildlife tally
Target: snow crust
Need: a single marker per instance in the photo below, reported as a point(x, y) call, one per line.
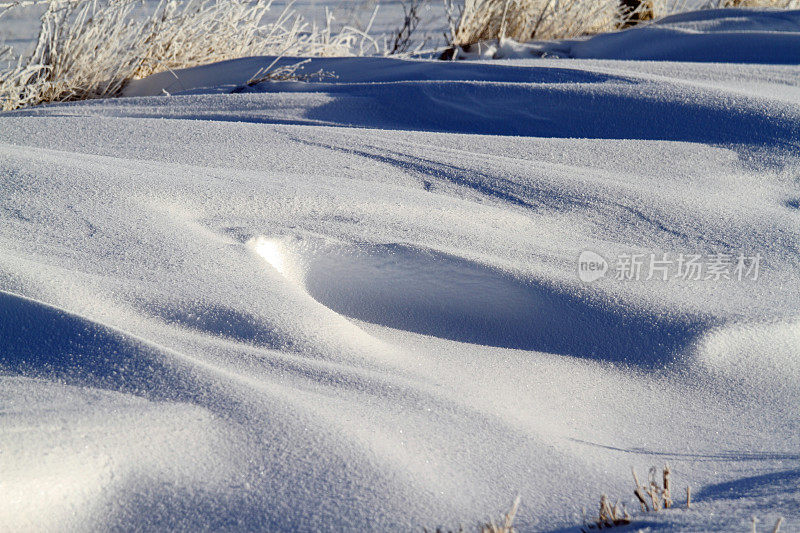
point(353, 304)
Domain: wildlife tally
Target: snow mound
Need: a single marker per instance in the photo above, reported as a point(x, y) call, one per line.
point(721, 36)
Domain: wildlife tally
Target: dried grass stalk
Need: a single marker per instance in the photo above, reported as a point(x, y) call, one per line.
point(92, 48)
point(523, 20)
point(667, 491)
point(780, 4)
point(507, 524)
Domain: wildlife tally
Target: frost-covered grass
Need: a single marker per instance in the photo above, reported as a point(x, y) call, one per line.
point(781, 4)
point(92, 49)
point(525, 20)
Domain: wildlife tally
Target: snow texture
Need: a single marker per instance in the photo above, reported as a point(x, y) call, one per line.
point(353, 304)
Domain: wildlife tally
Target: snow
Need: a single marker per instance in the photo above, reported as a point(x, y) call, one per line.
point(722, 35)
point(353, 304)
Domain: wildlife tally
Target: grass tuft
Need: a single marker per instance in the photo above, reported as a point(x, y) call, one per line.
point(473, 21)
point(608, 517)
point(92, 48)
point(653, 496)
point(778, 4)
point(524, 20)
point(505, 525)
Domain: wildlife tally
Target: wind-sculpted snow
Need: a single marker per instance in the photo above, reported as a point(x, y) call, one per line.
point(449, 297)
point(353, 304)
point(525, 99)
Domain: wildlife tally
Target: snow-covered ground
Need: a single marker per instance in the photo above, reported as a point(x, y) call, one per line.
point(356, 304)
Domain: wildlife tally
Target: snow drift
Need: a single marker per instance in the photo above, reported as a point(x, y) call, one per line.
point(354, 304)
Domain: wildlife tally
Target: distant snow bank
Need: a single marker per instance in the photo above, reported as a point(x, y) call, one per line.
point(719, 35)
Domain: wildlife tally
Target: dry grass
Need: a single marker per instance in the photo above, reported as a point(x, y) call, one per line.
point(779, 4)
point(653, 496)
point(656, 495)
point(401, 41)
point(523, 20)
point(608, 517)
point(92, 48)
point(505, 525)
point(776, 528)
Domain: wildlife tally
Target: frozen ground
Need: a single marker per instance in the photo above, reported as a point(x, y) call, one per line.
point(354, 304)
